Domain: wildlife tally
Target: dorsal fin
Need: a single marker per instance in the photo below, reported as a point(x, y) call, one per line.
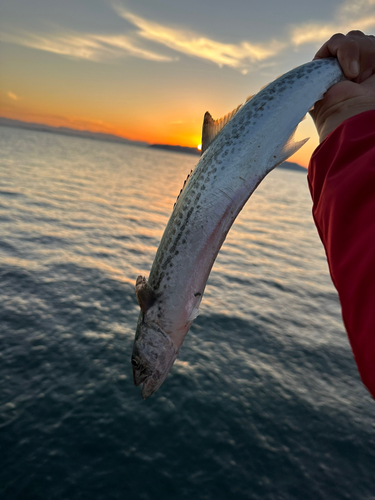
point(183, 187)
point(145, 294)
point(212, 127)
point(207, 131)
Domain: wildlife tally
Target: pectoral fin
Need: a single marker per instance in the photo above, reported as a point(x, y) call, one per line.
point(289, 148)
point(145, 294)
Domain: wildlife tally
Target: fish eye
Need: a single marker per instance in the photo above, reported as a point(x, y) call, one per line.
point(136, 362)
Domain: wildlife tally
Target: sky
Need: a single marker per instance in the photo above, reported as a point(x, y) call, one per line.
point(148, 70)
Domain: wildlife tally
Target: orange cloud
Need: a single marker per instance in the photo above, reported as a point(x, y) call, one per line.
point(350, 15)
point(12, 96)
point(194, 44)
point(84, 46)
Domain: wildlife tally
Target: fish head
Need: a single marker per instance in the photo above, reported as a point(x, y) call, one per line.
point(153, 356)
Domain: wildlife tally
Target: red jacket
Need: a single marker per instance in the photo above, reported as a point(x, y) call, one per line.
point(342, 183)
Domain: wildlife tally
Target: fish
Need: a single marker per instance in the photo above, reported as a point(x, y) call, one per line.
point(238, 151)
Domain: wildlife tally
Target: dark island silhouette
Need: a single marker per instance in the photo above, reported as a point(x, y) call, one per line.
point(84, 134)
point(177, 149)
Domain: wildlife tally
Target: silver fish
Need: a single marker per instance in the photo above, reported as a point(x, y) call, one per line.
point(239, 151)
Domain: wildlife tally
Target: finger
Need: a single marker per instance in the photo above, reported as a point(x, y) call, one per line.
point(346, 49)
point(338, 46)
point(348, 55)
point(356, 33)
point(367, 56)
point(362, 39)
point(331, 47)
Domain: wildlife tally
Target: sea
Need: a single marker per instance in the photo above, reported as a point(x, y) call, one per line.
point(264, 401)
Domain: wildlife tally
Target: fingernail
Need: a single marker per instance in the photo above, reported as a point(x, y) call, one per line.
point(354, 67)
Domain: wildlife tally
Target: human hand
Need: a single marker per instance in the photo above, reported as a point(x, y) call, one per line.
point(356, 55)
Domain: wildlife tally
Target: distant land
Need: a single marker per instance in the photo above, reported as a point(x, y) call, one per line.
point(85, 134)
point(177, 149)
point(98, 136)
point(292, 166)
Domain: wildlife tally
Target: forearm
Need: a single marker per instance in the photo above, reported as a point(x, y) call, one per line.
point(342, 183)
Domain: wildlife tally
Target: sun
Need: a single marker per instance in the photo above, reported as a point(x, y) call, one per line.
point(199, 147)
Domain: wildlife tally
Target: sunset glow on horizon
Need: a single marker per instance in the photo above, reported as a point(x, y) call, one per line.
point(149, 72)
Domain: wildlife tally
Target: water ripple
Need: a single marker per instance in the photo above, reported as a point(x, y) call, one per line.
point(264, 401)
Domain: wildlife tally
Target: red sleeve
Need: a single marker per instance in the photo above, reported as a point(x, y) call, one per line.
point(342, 183)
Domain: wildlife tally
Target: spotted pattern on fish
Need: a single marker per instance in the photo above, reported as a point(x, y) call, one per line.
point(246, 149)
point(201, 178)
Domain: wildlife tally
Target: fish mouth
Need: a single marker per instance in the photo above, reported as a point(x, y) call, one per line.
point(140, 373)
point(153, 355)
point(150, 385)
point(151, 380)
point(139, 379)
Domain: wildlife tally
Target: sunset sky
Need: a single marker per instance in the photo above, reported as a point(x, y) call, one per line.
point(148, 69)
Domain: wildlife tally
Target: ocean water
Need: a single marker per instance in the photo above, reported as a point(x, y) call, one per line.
point(264, 401)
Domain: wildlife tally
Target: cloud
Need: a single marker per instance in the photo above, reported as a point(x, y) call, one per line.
point(359, 15)
point(359, 8)
point(158, 42)
point(197, 45)
point(123, 43)
point(319, 33)
point(136, 43)
point(84, 46)
point(12, 96)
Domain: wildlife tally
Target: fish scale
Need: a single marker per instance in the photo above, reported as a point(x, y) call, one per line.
point(255, 138)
